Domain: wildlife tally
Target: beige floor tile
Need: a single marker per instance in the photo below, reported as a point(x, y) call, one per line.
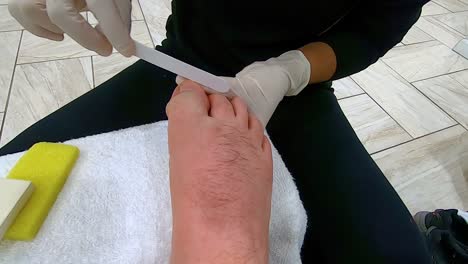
point(374, 127)
point(346, 87)
point(7, 22)
point(156, 13)
point(106, 67)
point(439, 31)
point(432, 8)
point(449, 94)
point(411, 109)
point(8, 50)
point(41, 88)
point(453, 5)
point(424, 60)
point(427, 173)
point(457, 21)
point(85, 15)
point(141, 34)
point(461, 77)
point(36, 49)
point(1, 120)
point(136, 13)
point(416, 35)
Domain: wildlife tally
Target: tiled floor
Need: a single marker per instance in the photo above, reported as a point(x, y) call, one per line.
point(410, 109)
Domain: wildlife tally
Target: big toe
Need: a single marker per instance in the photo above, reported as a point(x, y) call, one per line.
point(188, 101)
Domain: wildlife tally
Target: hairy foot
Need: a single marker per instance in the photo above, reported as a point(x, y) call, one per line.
point(221, 179)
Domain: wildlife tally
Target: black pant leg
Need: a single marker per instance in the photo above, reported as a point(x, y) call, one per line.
point(136, 96)
point(355, 215)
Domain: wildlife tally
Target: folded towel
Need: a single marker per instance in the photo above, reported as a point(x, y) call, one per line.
point(115, 206)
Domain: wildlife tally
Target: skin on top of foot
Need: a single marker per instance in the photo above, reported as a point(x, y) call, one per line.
point(221, 179)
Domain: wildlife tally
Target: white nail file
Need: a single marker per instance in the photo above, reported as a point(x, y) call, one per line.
point(181, 68)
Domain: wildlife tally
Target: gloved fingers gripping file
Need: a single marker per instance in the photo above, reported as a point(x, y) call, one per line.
point(181, 68)
point(113, 16)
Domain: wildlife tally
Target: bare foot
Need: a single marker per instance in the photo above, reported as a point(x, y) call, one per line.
point(221, 179)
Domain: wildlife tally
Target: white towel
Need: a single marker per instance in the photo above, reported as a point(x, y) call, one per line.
point(115, 206)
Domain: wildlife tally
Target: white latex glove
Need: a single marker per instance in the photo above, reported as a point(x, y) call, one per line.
point(263, 85)
point(51, 18)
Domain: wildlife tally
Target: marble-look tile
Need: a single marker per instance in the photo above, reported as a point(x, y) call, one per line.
point(140, 33)
point(36, 49)
point(453, 5)
point(416, 35)
point(457, 21)
point(432, 8)
point(439, 31)
point(449, 94)
point(156, 13)
point(7, 22)
point(424, 60)
point(346, 87)
point(375, 128)
point(461, 77)
point(409, 107)
point(136, 13)
point(85, 15)
point(41, 88)
point(8, 51)
point(1, 122)
point(427, 173)
point(106, 67)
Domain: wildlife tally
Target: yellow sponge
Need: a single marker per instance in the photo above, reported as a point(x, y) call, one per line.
point(47, 166)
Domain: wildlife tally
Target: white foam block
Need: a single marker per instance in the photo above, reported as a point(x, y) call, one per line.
point(13, 196)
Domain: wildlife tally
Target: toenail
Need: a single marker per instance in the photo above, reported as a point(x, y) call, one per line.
point(188, 86)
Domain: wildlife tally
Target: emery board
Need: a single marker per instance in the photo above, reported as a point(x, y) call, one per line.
point(181, 68)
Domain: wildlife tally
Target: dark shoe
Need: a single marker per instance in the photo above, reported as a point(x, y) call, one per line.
point(446, 235)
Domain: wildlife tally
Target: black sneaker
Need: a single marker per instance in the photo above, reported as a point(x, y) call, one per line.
point(446, 235)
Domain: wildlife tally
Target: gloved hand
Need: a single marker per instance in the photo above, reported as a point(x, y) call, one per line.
point(51, 18)
point(263, 85)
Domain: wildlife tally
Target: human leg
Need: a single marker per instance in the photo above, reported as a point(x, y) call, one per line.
point(355, 215)
point(138, 95)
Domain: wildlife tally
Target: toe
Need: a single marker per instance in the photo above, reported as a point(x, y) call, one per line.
point(221, 108)
point(256, 128)
point(241, 112)
point(188, 101)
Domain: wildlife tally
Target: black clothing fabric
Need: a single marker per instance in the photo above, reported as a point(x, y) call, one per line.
point(231, 34)
point(355, 216)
